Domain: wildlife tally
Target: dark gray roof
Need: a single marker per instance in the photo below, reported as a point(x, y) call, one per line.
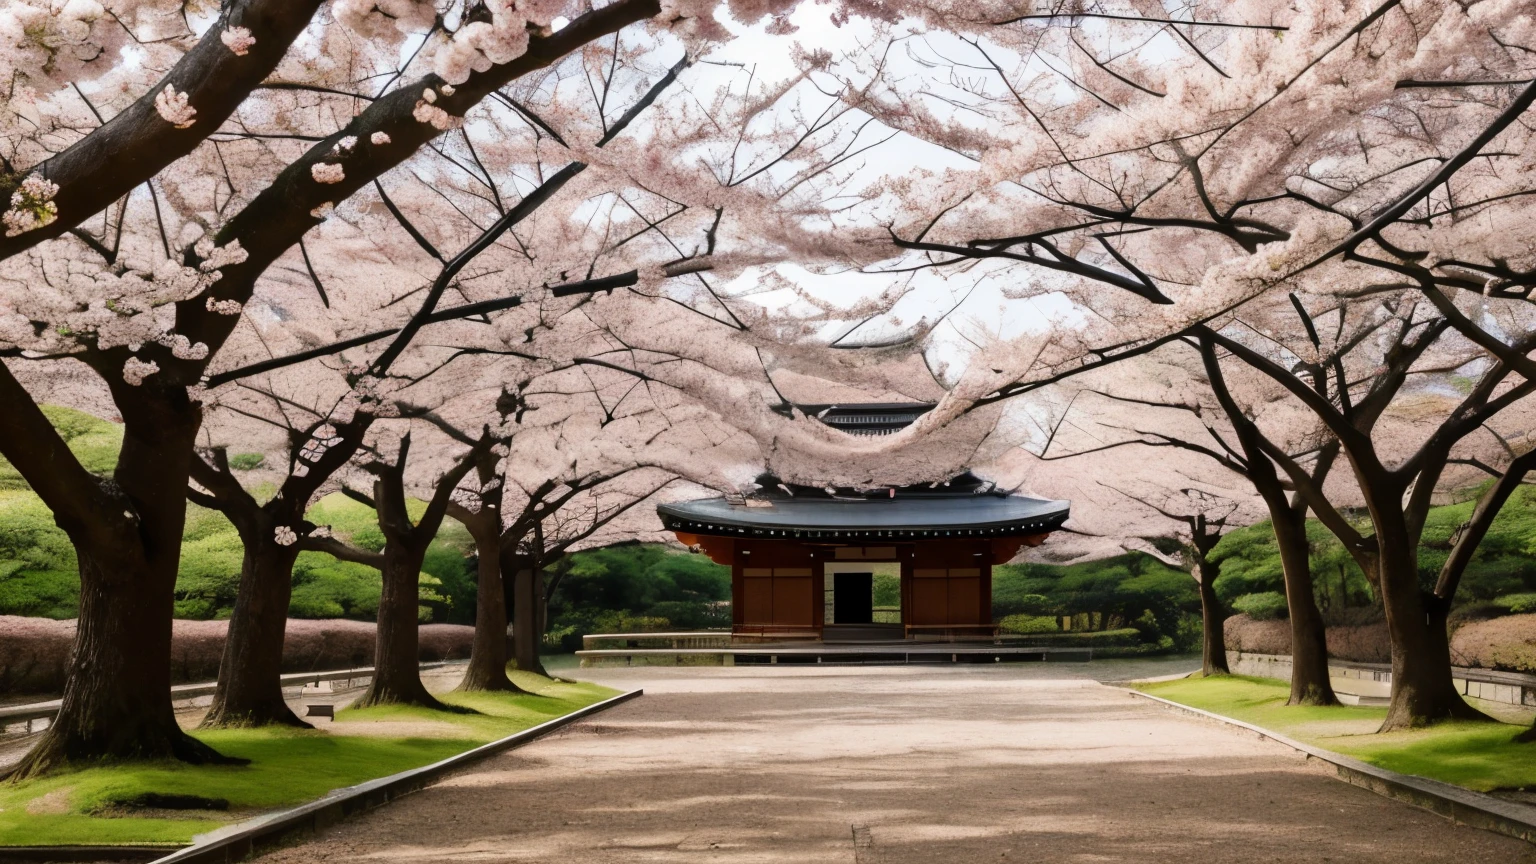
point(868, 418)
point(900, 518)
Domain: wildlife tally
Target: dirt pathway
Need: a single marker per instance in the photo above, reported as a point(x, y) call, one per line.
point(895, 765)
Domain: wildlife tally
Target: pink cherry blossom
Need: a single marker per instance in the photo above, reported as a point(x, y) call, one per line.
point(238, 39)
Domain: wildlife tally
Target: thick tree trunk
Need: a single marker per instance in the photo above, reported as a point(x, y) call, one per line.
point(488, 657)
point(117, 699)
point(1213, 659)
point(250, 689)
point(527, 624)
point(1422, 689)
point(396, 670)
point(1310, 684)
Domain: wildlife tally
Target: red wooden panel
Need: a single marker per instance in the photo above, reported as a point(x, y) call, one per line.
point(792, 598)
point(965, 600)
point(757, 601)
point(930, 602)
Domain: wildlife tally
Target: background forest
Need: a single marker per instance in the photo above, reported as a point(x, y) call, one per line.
point(1131, 602)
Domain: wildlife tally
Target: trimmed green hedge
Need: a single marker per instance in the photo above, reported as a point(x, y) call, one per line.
point(1263, 606)
point(1021, 624)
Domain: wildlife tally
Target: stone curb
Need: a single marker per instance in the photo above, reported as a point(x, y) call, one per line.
point(241, 841)
point(1462, 806)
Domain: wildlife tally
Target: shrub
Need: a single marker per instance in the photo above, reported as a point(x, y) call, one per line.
point(1022, 604)
point(1518, 604)
point(1263, 606)
point(1028, 624)
point(1366, 643)
point(1257, 637)
point(246, 461)
point(1507, 644)
point(692, 614)
point(326, 588)
point(1189, 635)
point(1114, 591)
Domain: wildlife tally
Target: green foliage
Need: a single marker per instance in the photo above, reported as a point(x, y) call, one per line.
point(94, 442)
point(1028, 624)
point(1517, 604)
point(246, 461)
point(39, 574)
point(38, 571)
point(1250, 564)
point(1021, 604)
point(1505, 562)
point(324, 587)
point(288, 767)
point(635, 587)
point(692, 614)
point(211, 554)
point(1133, 590)
point(1480, 756)
point(1262, 606)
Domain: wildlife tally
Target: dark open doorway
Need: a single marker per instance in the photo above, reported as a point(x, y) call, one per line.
point(853, 598)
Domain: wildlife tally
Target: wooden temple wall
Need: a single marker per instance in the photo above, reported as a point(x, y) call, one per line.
point(777, 586)
point(950, 585)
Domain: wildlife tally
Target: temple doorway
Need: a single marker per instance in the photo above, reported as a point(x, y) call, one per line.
point(853, 598)
point(863, 601)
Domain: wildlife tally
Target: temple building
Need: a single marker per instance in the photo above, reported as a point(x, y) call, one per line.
point(907, 562)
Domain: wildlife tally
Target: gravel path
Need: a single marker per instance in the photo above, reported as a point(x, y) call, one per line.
point(893, 765)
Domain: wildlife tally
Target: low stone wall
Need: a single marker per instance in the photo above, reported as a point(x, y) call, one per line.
point(1503, 644)
point(34, 652)
point(1373, 682)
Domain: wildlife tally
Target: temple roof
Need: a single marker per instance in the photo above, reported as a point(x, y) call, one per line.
point(905, 517)
point(868, 418)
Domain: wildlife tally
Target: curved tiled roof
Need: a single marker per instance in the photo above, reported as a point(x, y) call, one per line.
point(898, 518)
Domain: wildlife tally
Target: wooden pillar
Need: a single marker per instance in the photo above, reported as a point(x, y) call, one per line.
point(907, 559)
point(986, 590)
point(737, 590)
point(818, 589)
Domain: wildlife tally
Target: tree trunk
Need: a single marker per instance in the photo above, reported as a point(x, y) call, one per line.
point(488, 657)
point(1422, 689)
point(396, 669)
point(1310, 684)
point(117, 698)
point(250, 689)
point(527, 626)
point(1213, 659)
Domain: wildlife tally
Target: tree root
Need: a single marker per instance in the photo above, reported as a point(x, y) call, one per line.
point(267, 715)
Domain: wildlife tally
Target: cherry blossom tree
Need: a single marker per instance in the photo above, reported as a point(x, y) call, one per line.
point(149, 320)
point(1182, 175)
point(396, 678)
point(1175, 499)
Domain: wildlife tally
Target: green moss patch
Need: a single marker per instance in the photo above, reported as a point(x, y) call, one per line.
point(156, 803)
point(1478, 756)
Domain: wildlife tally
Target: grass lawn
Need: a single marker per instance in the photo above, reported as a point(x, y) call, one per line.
point(288, 767)
point(1480, 756)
